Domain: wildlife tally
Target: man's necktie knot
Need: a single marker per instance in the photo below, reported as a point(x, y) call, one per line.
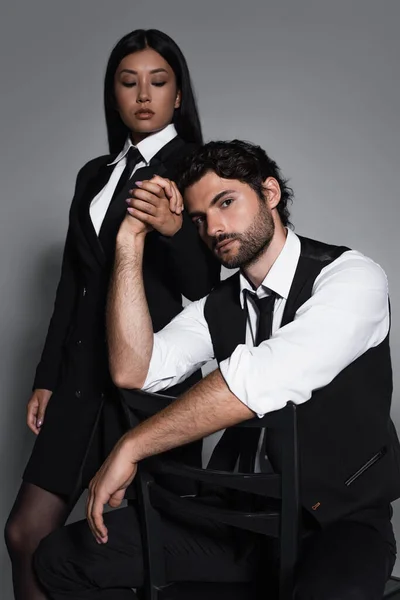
point(265, 308)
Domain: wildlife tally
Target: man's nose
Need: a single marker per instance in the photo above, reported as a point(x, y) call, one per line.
point(214, 227)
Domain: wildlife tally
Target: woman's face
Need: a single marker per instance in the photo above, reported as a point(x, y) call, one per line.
point(146, 93)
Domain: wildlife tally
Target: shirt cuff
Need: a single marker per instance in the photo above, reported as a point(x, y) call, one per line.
point(238, 373)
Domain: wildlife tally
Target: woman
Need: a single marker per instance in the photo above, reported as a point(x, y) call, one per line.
point(152, 123)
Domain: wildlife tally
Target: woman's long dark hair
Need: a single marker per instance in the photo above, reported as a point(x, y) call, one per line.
point(186, 117)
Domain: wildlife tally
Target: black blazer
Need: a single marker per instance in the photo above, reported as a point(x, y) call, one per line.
point(74, 362)
point(172, 266)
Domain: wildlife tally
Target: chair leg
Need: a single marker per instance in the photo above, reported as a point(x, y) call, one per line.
point(291, 511)
point(153, 555)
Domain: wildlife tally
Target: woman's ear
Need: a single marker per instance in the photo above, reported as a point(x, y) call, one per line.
point(178, 99)
point(272, 192)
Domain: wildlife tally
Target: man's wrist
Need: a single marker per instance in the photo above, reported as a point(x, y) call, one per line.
point(130, 240)
point(130, 447)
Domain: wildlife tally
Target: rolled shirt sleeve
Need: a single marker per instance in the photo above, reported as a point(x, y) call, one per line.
point(179, 349)
point(347, 313)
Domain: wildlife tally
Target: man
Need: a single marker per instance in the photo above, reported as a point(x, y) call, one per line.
point(328, 353)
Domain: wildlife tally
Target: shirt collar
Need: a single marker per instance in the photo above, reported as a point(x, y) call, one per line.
point(280, 276)
point(149, 146)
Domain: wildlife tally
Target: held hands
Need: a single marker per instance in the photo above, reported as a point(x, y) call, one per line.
point(108, 486)
point(155, 204)
point(36, 409)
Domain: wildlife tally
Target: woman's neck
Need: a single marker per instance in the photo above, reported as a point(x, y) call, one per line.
point(137, 136)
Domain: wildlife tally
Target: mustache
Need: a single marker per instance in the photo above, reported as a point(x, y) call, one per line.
point(221, 238)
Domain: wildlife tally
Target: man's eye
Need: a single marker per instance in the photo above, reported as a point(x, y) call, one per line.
point(198, 221)
point(227, 202)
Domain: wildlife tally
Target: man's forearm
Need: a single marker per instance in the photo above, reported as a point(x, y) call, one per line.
point(207, 407)
point(129, 326)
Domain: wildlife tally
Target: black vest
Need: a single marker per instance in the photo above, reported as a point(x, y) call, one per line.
point(349, 451)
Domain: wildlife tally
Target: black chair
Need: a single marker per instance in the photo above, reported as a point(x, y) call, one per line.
point(281, 522)
point(284, 523)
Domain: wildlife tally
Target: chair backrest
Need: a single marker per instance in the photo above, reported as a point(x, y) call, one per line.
point(282, 522)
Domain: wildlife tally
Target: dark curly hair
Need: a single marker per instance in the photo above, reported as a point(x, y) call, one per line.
point(239, 160)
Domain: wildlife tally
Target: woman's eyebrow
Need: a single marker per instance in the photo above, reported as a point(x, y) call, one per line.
point(133, 72)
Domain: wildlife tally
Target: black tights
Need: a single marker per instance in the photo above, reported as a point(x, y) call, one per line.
point(35, 514)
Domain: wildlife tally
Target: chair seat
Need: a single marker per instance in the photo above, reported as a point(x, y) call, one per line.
point(266, 522)
point(210, 591)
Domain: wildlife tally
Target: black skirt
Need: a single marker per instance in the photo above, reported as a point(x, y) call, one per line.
point(78, 433)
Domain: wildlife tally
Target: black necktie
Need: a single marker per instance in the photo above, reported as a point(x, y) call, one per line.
point(117, 203)
point(244, 442)
point(265, 308)
point(249, 438)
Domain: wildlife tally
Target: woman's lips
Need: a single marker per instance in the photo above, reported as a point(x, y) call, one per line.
point(144, 114)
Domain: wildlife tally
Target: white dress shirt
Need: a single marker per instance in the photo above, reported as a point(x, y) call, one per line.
point(147, 148)
point(346, 315)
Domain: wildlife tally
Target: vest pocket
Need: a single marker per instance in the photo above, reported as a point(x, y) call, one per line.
point(366, 466)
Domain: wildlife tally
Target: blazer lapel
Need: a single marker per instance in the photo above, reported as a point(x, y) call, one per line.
point(171, 151)
point(80, 221)
point(94, 186)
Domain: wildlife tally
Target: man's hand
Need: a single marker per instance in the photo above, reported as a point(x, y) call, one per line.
point(36, 409)
point(151, 204)
point(108, 486)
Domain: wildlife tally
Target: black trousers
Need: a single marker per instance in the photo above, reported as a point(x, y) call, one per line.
point(349, 560)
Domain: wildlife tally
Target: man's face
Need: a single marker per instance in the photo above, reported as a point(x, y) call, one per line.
point(231, 219)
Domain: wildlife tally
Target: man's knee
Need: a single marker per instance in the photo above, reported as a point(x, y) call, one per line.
point(45, 561)
point(57, 563)
point(69, 560)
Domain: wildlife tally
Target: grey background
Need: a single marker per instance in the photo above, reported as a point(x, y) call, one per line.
point(314, 82)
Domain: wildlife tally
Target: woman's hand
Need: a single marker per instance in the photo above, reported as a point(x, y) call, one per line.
point(151, 201)
point(36, 409)
point(108, 486)
point(171, 192)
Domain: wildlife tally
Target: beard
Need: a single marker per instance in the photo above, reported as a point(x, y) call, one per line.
point(252, 242)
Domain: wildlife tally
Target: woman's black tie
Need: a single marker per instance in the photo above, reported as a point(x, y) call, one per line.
point(117, 204)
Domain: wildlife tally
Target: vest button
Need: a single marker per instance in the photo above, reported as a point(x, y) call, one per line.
point(78, 393)
point(78, 342)
point(84, 291)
